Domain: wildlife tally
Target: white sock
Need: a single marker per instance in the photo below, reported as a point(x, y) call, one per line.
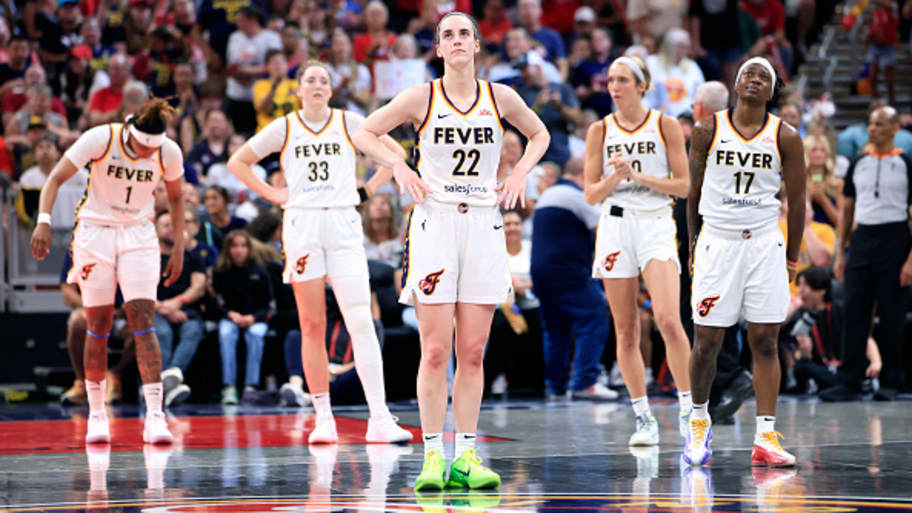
point(321, 405)
point(640, 406)
point(353, 296)
point(685, 401)
point(371, 376)
point(700, 411)
point(765, 424)
point(432, 442)
point(153, 394)
point(96, 392)
point(464, 442)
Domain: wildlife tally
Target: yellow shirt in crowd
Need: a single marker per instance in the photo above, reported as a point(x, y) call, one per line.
point(283, 101)
point(824, 232)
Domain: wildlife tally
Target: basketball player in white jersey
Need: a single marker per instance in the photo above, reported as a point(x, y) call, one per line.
point(741, 263)
point(635, 162)
point(114, 242)
point(455, 262)
point(322, 238)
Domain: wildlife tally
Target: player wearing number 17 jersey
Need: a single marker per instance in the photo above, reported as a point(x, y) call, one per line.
point(741, 262)
point(635, 159)
point(322, 237)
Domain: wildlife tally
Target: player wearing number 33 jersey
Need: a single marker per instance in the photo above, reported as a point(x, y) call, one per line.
point(320, 222)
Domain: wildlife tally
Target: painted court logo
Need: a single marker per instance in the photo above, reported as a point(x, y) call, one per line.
point(86, 271)
point(610, 260)
point(429, 284)
point(706, 305)
point(301, 264)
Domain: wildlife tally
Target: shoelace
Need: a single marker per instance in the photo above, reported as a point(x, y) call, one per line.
point(772, 438)
point(698, 428)
point(474, 458)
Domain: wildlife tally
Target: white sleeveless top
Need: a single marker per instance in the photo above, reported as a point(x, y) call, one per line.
point(644, 149)
point(319, 166)
point(458, 152)
point(120, 187)
point(742, 176)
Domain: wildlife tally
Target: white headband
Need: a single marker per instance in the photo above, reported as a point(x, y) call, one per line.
point(634, 67)
point(150, 140)
point(766, 65)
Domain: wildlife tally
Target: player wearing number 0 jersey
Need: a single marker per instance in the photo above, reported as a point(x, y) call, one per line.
point(322, 238)
point(741, 261)
point(455, 265)
point(635, 159)
point(114, 243)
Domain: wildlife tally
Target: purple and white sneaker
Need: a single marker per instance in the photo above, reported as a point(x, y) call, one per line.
point(697, 451)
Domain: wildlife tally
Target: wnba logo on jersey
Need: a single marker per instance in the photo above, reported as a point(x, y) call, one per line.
point(429, 284)
point(301, 264)
point(86, 271)
point(706, 305)
point(610, 260)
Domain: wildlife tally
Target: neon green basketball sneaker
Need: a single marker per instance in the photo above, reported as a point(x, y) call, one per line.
point(468, 472)
point(433, 474)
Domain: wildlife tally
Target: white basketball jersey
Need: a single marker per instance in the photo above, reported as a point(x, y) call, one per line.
point(319, 166)
point(120, 187)
point(644, 149)
point(458, 152)
point(742, 176)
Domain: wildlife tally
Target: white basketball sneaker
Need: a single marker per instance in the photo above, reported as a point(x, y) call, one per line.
point(385, 430)
point(324, 431)
point(98, 431)
point(156, 431)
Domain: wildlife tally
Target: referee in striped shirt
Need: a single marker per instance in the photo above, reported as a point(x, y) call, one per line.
point(875, 263)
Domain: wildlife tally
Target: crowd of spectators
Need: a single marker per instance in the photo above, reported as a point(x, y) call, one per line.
point(227, 66)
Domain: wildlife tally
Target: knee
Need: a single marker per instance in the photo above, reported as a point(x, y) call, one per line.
point(77, 320)
point(471, 357)
point(766, 348)
point(627, 339)
point(435, 356)
point(668, 323)
point(704, 350)
point(312, 328)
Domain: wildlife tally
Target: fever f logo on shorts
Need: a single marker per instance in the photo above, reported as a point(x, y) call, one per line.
point(301, 264)
point(610, 260)
point(706, 305)
point(86, 271)
point(429, 284)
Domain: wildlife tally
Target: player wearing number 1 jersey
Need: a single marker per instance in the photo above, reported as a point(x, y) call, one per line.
point(456, 260)
point(635, 159)
point(741, 262)
point(114, 243)
point(322, 237)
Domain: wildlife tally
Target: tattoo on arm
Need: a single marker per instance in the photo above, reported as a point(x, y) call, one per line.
point(700, 141)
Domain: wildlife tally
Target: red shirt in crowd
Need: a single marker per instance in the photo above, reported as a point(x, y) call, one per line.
point(770, 15)
point(363, 42)
point(6, 160)
point(106, 100)
point(12, 102)
point(494, 34)
point(558, 14)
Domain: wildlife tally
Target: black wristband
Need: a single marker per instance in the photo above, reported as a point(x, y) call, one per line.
point(362, 193)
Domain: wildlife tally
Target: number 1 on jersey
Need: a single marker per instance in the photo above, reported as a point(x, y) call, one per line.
point(129, 192)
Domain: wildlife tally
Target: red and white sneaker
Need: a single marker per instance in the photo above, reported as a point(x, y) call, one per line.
point(768, 452)
point(385, 430)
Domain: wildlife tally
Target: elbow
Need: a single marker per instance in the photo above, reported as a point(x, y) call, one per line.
point(589, 197)
point(682, 191)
